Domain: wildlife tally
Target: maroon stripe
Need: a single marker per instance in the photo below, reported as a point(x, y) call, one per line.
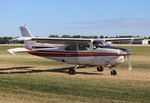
point(73, 54)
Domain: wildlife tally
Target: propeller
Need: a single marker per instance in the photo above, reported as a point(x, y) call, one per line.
point(128, 57)
point(129, 64)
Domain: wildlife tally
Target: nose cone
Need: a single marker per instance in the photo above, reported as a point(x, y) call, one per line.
point(123, 51)
point(127, 52)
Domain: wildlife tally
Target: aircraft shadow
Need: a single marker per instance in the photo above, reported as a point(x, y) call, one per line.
point(65, 70)
point(29, 70)
point(16, 68)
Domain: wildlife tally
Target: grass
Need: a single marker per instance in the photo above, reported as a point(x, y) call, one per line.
point(96, 89)
point(87, 86)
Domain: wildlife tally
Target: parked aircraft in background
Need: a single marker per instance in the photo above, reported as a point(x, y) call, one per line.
point(94, 52)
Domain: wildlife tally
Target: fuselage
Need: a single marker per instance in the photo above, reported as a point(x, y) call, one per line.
point(83, 54)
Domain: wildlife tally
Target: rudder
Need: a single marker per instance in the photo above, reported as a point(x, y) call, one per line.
point(25, 31)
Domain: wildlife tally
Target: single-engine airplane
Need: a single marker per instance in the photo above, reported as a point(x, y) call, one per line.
point(94, 52)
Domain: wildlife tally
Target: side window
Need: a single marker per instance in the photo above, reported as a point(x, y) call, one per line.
point(83, 47)
point(71, 48)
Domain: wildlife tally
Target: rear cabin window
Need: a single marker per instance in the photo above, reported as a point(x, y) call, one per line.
point(71, 48)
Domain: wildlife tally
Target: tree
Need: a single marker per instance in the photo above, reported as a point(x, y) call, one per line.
point(5, 40)
point(101, 36)
point(76, 36)
point(95, 37)
point(54, 36)
point(66, 36)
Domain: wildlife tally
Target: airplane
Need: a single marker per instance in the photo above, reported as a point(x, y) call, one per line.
point(78, 51)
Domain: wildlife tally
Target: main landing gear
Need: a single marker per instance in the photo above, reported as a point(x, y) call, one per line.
point(72, 71)
point(100, 69)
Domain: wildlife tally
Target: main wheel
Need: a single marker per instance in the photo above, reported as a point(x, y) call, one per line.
point(100, 69)
point(72, 71)
point(113, 72)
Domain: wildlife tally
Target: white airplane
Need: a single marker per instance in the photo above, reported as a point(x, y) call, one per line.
point(94, 52)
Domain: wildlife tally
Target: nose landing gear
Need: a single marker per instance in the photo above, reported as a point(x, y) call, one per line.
point(113, 69)
point(113, 72)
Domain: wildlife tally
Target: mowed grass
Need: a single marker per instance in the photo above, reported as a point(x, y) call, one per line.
point(29, 79)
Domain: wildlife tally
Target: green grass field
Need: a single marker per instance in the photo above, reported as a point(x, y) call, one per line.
point(29, 79)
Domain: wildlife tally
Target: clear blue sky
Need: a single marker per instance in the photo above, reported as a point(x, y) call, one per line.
point(86, 17)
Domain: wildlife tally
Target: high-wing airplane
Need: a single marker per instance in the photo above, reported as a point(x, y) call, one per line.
point(94, 52)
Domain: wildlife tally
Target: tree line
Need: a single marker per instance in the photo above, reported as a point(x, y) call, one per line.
point(5, 40)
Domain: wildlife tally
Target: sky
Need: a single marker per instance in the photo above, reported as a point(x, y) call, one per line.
point(75, 17)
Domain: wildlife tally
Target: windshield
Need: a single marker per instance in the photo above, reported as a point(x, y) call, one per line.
point(99, 43)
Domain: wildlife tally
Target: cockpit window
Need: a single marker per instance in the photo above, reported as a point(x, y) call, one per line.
point(84, 47)
point(80, 47)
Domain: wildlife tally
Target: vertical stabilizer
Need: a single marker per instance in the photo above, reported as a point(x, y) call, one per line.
point(25, 31)
point(29, 44)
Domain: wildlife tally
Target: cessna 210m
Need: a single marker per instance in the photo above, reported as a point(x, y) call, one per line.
point(94, 52)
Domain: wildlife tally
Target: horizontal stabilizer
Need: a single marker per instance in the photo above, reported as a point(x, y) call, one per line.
point(21, 39)
point(14, 50)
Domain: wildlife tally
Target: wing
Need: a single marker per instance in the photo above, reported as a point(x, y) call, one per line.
point(62, 40)
point(118, 39)
point(78, 40)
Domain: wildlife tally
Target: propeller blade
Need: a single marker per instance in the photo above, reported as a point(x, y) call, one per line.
point(129, 64)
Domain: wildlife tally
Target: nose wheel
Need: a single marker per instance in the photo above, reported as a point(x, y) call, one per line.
point(113, 72)
point(113, 69)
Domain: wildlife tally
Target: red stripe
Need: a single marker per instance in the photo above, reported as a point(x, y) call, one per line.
point(72, 54)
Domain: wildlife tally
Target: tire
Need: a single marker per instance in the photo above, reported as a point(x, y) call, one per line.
point(100, 69)
point(113, 72)
point(72, 71)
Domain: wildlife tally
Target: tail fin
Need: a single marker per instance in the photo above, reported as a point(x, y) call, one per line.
point(25, 31)
point(29, 44)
